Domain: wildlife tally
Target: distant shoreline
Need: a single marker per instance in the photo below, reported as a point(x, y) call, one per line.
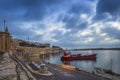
point(94, 49)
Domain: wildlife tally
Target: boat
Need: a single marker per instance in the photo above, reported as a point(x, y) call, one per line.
point(69, 57)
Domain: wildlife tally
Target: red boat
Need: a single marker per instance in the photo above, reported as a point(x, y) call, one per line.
point(69, 57)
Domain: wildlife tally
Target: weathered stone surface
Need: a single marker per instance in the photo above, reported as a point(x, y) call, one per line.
point(8, 69)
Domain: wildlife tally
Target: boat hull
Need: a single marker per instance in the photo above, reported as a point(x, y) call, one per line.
point(78, 57)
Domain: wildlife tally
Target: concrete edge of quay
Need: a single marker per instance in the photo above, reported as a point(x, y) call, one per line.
point(103, 75)
point(82, 70)
point(42, 74)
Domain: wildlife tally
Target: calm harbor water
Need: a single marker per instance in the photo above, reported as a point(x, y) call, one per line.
point(107, 59)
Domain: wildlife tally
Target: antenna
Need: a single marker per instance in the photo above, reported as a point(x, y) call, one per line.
point(28, 38)
point(0, 28)
point(4, 23)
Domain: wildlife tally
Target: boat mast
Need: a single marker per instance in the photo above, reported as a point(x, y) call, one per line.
point(111, 63)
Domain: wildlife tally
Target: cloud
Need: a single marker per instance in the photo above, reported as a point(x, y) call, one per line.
point(107, 8)
point(77, 15)
point(28, 10)
point(46, 30)
point(113, 30)
point(77, 23)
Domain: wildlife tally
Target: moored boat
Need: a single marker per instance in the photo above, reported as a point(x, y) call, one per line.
point(78, 57)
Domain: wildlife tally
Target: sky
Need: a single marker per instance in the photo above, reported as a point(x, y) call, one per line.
point(64, 23)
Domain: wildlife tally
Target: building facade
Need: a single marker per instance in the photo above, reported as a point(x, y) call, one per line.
point(5, 41)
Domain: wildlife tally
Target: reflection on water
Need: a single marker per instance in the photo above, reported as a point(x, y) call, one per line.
point(66, 62)
point(108, 59)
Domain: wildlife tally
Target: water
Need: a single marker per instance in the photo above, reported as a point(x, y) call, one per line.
point(107, 59)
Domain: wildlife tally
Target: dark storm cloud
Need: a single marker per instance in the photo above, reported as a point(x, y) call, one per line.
point(110, 6)
point(27, 9)
point(80, 8)
point(22, 10)
point(72, 17)
point(105, 7)
point(74, 22)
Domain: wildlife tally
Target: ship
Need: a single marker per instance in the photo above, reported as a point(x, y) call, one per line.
point(69, 57)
